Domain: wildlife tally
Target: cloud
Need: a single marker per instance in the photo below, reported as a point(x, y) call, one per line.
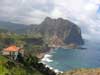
point(82, 12)
point(85, 13)
point(25, 11)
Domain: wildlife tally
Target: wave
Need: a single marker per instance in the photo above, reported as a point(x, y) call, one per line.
point(55, 70)
point(47, 58)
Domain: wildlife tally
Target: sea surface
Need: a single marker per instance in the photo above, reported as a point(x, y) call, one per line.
point(68, 59)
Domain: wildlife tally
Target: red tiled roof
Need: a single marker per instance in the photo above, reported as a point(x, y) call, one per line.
point(12, 48)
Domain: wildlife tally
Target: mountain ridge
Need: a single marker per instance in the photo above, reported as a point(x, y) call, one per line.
point(65, 29)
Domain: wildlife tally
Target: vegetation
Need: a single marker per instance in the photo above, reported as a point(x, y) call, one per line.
point(29, 64)
point(3, 59)
point(83, 72)
point(30, 43)
point(13, 68)
point(33, 62)
point(65, 29)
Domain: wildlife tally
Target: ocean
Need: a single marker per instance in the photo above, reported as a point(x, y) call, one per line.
point(62, 59)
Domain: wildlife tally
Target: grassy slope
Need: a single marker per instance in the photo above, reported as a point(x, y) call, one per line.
point(16, 70)
point(83, 72)
point(3, 59)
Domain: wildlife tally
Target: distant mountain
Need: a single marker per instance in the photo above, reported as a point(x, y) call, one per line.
point(3, 30)
point(64, 29)
point(13, 27)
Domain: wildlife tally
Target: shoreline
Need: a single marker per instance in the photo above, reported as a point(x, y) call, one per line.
point(43, 57)
point(51, 68)
point(80, 71)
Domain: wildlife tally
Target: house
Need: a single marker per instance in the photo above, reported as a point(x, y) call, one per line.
point(12, 51)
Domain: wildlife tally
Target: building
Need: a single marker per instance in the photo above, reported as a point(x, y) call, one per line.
point(12, 51)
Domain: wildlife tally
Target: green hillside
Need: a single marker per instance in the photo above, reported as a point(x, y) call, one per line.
point(12, 68)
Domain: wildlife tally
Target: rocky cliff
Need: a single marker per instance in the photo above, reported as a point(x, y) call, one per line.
point(64, 29)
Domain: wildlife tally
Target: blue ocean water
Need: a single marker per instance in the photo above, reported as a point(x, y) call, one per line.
point(69, 59)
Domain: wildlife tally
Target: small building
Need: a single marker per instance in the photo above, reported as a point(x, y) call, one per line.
point(12, 51)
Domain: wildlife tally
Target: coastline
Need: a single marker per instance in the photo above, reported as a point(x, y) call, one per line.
point(44, 57)
point(80, 71)
point(48, 66)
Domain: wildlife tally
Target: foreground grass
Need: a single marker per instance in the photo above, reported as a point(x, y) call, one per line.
point(83, 72)
point(15, 69)
point(3, 59)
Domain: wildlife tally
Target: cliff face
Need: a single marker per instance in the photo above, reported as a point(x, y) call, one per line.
point(74, 36)
point(67, 31)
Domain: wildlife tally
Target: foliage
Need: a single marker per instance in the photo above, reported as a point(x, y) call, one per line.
point(12, 68)
point(31, 48)
point(18, 70)
point(30, 43)
point(3, 59)
point(31, 59)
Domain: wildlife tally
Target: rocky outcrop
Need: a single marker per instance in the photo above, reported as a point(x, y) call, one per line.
point(74, 36)
point(67, 31)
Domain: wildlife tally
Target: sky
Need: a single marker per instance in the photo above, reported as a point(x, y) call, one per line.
point(85, 13)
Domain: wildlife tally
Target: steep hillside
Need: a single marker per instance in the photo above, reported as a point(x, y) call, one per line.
point(64, 29)
point(8, 67)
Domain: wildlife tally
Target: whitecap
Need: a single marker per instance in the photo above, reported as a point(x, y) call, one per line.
point(47, 58)
point(56, 71)
point(47, 65)
point(51, 68)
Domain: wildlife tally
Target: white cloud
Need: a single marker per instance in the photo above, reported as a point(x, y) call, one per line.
point(56, 13)
point(82, 12)
point(25, 11)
